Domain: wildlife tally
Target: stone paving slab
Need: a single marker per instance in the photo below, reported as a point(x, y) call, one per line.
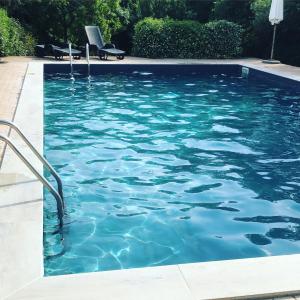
point(21, 195)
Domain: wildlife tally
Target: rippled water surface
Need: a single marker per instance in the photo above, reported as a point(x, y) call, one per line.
point(167, 169)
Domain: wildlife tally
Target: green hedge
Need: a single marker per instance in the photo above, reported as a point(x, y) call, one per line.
point(14, 39)
point(162, 38)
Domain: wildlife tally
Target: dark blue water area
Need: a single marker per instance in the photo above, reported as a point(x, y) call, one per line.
point(165, 168)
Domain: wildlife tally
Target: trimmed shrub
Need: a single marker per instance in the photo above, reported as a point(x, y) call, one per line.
point(14, 39)
point(224, 39)
point(162, 38)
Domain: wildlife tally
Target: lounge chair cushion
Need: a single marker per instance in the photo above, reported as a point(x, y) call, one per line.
point(113, 51)
point(65, 51)
point(52, 50)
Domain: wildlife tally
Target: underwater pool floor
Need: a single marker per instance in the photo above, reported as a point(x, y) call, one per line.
point(168, 169)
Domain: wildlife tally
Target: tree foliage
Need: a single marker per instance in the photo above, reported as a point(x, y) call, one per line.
point(62, 20)
point(287, 47)
point(175, 9)
point(235, 11)
point(201, 10)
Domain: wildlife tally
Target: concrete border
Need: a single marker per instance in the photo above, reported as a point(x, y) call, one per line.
point(21, 195)
point(21, 260)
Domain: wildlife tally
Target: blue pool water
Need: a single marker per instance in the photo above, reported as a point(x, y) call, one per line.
point(168, 169)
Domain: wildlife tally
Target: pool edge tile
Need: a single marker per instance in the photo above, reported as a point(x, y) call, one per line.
point(243, 278)
point(163, 283)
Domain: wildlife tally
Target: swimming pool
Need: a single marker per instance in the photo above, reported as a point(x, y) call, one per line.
point(171, 164)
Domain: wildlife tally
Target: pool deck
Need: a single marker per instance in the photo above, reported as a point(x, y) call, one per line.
point(11, 80)
point(21, 221)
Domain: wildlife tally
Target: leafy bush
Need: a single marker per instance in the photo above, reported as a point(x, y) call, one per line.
point(223, 39)
point(14, 40)
point(162, 38)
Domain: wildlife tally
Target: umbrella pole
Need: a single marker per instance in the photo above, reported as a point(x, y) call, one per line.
point(273, 43)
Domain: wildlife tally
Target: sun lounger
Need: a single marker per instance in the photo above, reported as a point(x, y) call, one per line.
point(56, 51)
point(103, 50)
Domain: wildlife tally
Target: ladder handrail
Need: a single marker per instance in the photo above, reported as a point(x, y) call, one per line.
point(41, 178)
point(36, 152)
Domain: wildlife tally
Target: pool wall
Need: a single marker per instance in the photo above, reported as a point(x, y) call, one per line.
point(21, 259)
point(204, 69)
point(97, 69)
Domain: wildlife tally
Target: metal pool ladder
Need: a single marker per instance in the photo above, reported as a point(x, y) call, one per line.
point(58, 194)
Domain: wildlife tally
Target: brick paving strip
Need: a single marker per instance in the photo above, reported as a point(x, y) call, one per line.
point(12, 75)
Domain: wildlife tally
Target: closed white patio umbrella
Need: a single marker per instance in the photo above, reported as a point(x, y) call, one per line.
point(275, 17)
